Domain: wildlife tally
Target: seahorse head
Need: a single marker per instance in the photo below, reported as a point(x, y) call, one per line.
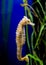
point(27, 21)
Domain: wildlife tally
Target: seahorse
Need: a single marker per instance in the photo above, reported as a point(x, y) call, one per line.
point(20, 37)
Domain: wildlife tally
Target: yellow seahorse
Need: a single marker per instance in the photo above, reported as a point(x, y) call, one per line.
point(20, 37)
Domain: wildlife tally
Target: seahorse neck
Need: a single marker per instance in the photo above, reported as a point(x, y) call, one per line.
point(22, 23)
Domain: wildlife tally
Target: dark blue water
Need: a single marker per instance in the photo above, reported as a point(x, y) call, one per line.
point(10, 14)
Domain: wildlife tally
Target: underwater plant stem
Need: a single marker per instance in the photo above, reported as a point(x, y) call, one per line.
point(34, 53)
point(36, 59)
point(41, 29)
point(34, 3)
point(27, 31)
point(27, 37)
point(25, 1)
point(28, 44)
point(30, 14)
point(41, 6)
point(40, 18)
point(32, 40)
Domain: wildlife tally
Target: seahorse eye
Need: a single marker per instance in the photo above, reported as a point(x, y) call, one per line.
point(28, 21)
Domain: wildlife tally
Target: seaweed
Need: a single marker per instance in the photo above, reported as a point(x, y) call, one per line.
point(37, 14)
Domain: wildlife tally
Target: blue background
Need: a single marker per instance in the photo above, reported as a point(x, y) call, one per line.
point(10, 14)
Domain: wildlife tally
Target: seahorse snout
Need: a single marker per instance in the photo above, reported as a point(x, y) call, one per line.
point(32, 24)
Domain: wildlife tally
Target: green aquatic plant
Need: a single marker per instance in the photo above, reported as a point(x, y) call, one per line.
point(38, 36)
